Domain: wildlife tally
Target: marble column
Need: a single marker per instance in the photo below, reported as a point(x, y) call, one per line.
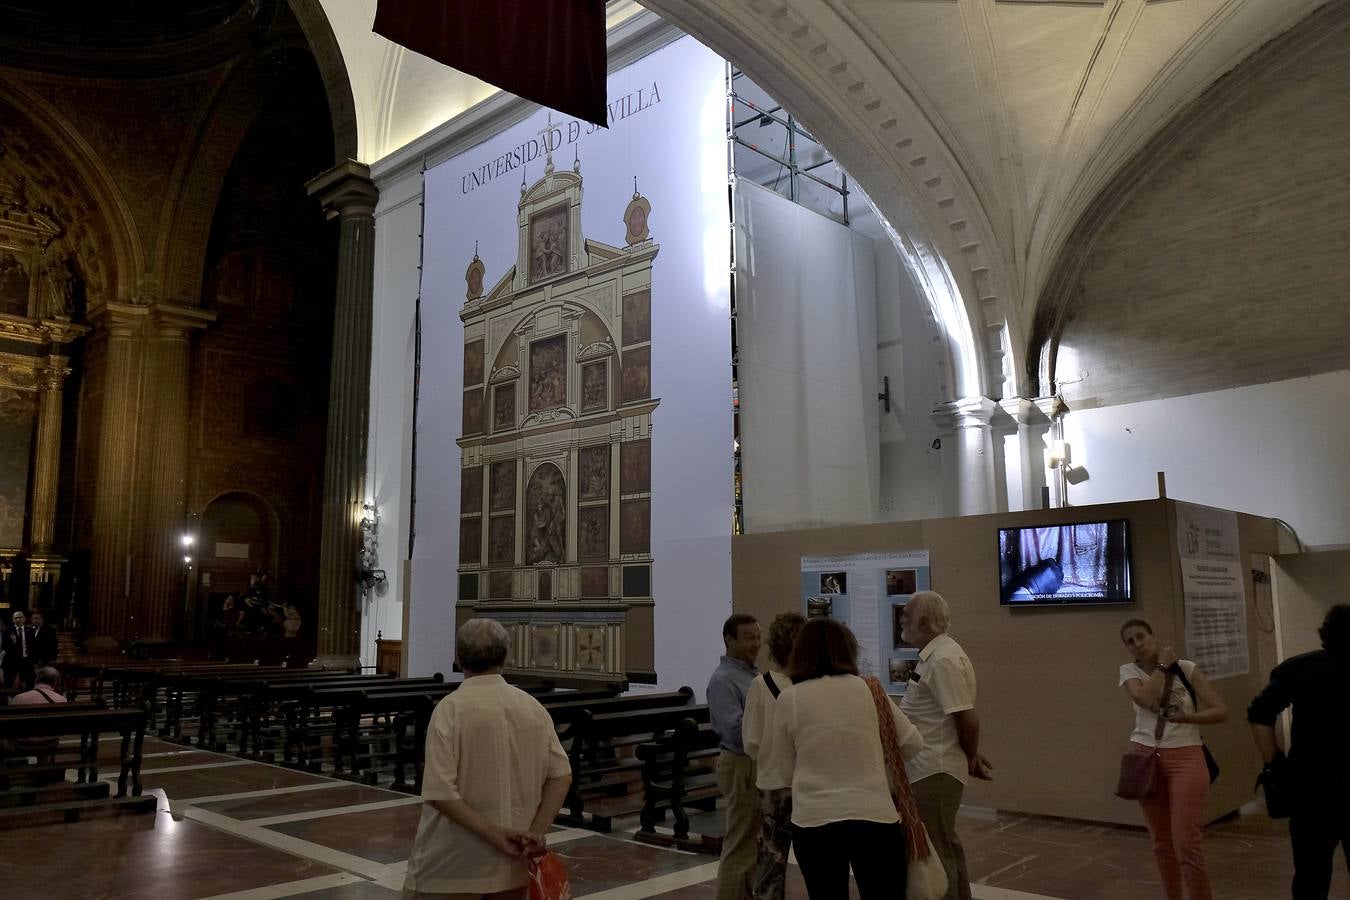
point(168, 351)
point(347, 194)
point(1028, 422)
point(109, 615)
point(47, 454)
point(969, 421)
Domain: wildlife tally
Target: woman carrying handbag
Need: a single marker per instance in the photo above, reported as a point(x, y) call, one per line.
point(1167, 768)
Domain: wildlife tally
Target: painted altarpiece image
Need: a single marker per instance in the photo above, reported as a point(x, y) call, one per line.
point(555, 511)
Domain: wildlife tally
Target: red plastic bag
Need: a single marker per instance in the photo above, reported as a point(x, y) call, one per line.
point(548, 878)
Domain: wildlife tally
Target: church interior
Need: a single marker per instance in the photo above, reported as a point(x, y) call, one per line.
point(846, 300)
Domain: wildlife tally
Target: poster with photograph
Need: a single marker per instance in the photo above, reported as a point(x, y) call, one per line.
point(868, 593)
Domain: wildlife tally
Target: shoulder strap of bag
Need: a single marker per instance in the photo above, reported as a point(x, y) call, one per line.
point(1162, 701)
point(46, 696)
point(772, 685)
point(1186, 683)
point(897, 779)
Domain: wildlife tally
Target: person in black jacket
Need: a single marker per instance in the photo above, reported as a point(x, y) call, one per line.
point(18, 649)
point(1317, 684)
point(44, 641)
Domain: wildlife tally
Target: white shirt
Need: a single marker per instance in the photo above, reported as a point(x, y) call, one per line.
point(946, 686)
point(828, 748)
point(757, 725)
point(1175, 734)
point(492, 746)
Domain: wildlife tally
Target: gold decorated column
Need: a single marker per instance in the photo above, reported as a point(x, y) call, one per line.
point(348, 194)
point(160, 585)
point(109, 616)
point(47, 453)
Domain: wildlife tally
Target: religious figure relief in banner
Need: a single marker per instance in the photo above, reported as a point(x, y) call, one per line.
point(558, 420)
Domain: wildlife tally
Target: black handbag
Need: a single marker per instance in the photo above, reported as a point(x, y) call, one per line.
point(1210, 763)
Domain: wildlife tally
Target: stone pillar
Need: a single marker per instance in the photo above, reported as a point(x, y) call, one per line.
point(968, 419)
point(109, 617)
point(160, 584)
point(47, 454)
point(347, 194)
point(1030, 422)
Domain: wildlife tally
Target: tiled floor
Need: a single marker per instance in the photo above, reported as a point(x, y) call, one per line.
point(248, 831)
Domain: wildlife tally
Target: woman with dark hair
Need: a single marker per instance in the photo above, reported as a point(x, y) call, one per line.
point(1172, 699)
point(827, 745)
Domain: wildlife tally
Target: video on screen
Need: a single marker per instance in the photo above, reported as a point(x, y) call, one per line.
point(1065, 564)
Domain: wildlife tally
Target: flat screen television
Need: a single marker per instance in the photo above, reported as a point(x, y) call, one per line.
point(1065, 565)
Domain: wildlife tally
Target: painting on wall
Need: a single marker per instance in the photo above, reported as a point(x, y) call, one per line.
point(590, 651)
point(548, 243)
point(503, 486)
point(635, 526)
point(548, 373)
point(635, 467)
point(17, 409)
point(473, 411)
point(545, 516)
point(504, 407)
point(471, 491)
point(544, 645)
point(470, 540)
point(499, 585)
point(595, 386)
point(637, 374)
point(593, 473)
point(595, 582)
point(593, 532)
point(637, 318)
point(14, 283)
point(473, 362)
point(502, 541)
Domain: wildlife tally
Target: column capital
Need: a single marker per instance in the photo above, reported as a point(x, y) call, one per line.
point(52, 376)
point(120, 320)
point(966, 412)
point(176, 321)
point(345, 190)
point(1025, 411)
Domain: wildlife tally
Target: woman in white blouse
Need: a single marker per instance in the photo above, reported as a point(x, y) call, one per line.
point(1175, 811)
point(827, 744)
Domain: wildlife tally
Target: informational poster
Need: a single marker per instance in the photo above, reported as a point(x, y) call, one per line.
point(1212, 590)
point(867, 592)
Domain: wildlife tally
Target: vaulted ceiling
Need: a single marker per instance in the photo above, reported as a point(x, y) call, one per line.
point(985, 128)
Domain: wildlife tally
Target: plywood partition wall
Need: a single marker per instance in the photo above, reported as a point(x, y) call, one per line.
point(1054, 721)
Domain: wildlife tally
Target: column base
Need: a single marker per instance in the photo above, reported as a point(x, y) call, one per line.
point(336, 662)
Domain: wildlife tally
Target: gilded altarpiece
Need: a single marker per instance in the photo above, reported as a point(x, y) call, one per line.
point(39, 283)
point(555, 503)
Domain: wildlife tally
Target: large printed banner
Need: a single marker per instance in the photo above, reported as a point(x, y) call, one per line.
point(867, 592)
point(574, 467)
point(1212, 583)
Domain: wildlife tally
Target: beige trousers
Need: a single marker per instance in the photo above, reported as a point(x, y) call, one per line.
point(938, 798)
point(736, 780)
point(513, 894)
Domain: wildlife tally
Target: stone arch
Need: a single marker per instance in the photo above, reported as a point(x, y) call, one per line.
point(812, 60)
point(101, 225)
point(328, 55)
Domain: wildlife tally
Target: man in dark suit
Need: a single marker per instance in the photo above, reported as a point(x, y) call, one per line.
point(44, 641)
point(18, 647)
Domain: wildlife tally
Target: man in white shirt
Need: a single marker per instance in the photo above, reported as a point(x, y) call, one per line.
point(940, 701)
point(495, 777)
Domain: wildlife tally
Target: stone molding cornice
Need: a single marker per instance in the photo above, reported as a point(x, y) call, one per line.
point(345, 190)
point(967, 412)
point(1061, 285)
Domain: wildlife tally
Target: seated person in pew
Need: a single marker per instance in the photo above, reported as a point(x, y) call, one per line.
point(495, 777)
point(43, 693)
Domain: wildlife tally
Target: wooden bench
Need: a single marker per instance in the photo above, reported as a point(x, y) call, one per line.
point(679, 770)
point(224, 699)
point(338, 712)
point(51, 723)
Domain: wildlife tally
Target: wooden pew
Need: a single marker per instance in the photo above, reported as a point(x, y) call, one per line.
point(226, 697)
point(679, 770)
point(55, 722)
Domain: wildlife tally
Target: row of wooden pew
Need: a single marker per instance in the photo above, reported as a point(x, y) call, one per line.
point(641, 753)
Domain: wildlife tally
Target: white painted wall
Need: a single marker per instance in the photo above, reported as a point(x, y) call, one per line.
point(1277, 450)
